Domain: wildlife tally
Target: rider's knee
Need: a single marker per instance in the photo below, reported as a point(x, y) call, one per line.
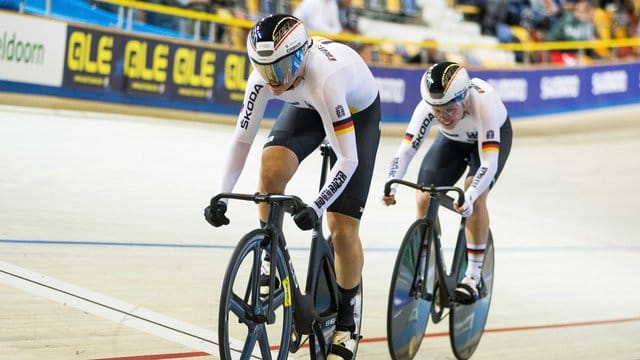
point(274, 173)
point(344, 233)
point(481, 201)
point(480, 211)
point(422, 201)
point(271, 179)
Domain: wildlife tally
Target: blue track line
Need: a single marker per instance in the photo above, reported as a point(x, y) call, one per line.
point(112, 243)
point(378, 249)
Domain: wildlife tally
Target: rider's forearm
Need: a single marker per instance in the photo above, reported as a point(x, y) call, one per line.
point(485, 174)
point(400, 163)
point(234, 163)
point(337, 181)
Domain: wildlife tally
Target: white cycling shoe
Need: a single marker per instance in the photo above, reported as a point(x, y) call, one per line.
point(344, 345)
point(467, 291)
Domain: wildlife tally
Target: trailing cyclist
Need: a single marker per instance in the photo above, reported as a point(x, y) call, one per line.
point(329, 92)
point(475, 132)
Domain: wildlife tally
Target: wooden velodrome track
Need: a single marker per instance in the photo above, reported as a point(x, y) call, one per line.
point(104, 253)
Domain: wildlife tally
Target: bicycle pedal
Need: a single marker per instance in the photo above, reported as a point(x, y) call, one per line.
point(296, 341)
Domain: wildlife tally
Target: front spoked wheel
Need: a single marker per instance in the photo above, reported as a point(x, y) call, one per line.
point(467, 322)
point(246, 327)
point(411, 293)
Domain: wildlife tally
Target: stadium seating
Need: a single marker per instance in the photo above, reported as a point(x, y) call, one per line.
point(83, 11)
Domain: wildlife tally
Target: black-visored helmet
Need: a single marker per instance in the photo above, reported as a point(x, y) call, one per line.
point(444, 82)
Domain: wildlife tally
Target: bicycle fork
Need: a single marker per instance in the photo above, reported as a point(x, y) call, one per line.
point(422, 275)
point(419, 288)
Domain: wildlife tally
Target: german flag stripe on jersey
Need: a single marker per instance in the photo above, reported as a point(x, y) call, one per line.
point(407, 138)
point(490, 146)
point(343, 126)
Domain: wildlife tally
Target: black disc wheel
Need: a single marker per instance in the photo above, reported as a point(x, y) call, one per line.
point(411, 293)
point(246, 327)
point(467, 322)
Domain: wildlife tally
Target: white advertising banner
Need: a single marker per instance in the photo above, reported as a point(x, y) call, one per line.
point(31, 49)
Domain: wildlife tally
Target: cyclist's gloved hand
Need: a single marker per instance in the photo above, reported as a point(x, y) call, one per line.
point(214, 214)
point(467, 208)
point(306, 218)
point(389, 199)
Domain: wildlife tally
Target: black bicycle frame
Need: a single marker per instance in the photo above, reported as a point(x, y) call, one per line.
point(437, 198)
point(449, 280)
point(306, 318)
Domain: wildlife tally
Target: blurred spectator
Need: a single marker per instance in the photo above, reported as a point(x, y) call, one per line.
point(540, 15)
point(319, 15)
point(515, 10)
point(493, 12)
point(368, 53)
point(390, 54)
point(416, 54)
point(530, 14)
point(237, 36)
point(513, 34)
point(348, 17)
point(205, 30)
point(623, 18)
point(162, 20)
point(622, 22)
point(575, 25)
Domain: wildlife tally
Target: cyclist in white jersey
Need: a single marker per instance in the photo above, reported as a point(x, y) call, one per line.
point(329, 92)
point(475, 132)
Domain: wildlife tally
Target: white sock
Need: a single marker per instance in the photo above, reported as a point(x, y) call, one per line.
point(475, 257)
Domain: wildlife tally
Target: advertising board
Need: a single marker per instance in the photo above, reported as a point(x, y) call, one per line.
point(31, 49)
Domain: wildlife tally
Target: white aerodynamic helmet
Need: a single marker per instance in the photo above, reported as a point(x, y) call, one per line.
point(277, 45)
point(444, 82)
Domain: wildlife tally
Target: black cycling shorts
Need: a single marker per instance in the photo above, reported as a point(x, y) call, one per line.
point(301, 131)
point(446, 159)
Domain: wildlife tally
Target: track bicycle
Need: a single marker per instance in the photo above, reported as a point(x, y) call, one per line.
point(421, 287)
point(252, 325)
